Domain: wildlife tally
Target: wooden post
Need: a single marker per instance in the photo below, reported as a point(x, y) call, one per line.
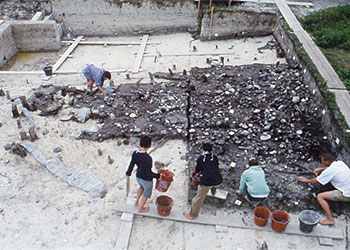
point(32, 134)
point(211, 21)
point(199, 8)
point(210, 4)
point(15, 113)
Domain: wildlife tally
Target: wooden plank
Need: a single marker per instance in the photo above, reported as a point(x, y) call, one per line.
point(108, 43)
point(325, 241)
point(191, 54)
point(38, 16)
point(125, 228)
point(342, 98)
point(21, 72)
point(79, 72)
point(139, 56)
point(320, 61)
point(66, 54)
point(233, 220)
point(220, 194)
point(308, 4)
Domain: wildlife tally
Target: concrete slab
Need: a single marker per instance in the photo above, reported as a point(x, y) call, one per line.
point(325, 241)
point(220, 194)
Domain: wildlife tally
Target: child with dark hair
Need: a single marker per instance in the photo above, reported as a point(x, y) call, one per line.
point(97, 76)
point(211, 178)
point(144, 174)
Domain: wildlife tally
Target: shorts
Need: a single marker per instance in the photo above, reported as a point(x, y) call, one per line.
point(147, 187)
point(337, 195)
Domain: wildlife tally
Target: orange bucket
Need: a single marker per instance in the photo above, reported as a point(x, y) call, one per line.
point(280, 220)
point(164, 204)
point(261, 215)
point(166, 178)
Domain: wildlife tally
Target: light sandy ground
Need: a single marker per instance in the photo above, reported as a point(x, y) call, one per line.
point(39, 211)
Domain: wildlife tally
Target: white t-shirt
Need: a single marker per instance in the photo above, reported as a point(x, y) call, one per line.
point(338, 173)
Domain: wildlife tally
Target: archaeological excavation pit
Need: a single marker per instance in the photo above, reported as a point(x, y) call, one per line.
point(231, 77)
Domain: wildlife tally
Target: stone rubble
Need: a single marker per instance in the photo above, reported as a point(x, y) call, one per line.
point(262, 111)
point(19, 10)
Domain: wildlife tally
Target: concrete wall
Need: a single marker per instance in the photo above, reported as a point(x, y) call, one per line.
point(7, 44)
point(233, 23)
point(105, 17)
point(328, 120)
point(36, 35)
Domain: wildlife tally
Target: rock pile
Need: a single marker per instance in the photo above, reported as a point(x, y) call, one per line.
point(20, 10)
point(262, 111)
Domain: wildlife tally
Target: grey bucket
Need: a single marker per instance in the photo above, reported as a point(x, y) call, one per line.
point(48, 70)
point(308, 220)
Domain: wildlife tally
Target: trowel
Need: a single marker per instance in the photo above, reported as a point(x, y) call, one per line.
point(127, 185)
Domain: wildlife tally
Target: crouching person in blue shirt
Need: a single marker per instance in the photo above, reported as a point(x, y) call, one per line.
point(144, 174)
point(97, 76)
point(253, 183)
point(211, 178)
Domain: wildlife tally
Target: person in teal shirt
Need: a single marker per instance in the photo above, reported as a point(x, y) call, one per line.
point(253, 183)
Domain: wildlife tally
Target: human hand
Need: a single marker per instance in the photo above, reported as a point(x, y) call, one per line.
point(237, 191)
point(302, 179)
point(317, 170)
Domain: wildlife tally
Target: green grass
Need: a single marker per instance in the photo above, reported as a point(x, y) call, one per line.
point(329, 96)
point(330, 29)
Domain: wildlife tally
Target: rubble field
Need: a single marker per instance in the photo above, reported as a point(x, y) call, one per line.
point(258, 110)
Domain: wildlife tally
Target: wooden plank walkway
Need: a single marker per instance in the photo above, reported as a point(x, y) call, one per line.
point(320, 61)
point(125, 228)
point(308, 4)
point(233, 220)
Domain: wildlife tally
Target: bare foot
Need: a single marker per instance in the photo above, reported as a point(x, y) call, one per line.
point(144, 209)
point(327, 222)
point(188, 216)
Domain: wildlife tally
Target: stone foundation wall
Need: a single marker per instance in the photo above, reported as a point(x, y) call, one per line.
point(36, 35)
point(106, 18)
point(7, 44)
point(233, 23)
point(334, 131)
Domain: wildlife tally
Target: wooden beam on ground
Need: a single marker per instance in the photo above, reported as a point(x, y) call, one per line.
point(139, 56)
point(308, 4)
point(125, 229)
point(66, 54)
point(79, 72)
point(38, 16)
point(21, 72)
point(107, 43)
point(342, 98)
point(233, 220)
point(192, 54)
